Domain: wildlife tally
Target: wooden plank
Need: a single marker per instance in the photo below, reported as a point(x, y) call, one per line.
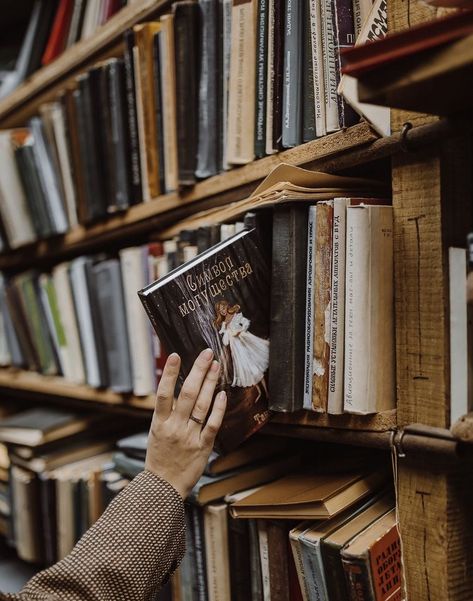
point(31, 382)
point(378, 422)
point(436, 526)
point(74, 59)
point(231, 185)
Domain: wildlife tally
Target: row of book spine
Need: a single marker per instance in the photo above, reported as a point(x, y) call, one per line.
point(84, 319)
point(211, 85)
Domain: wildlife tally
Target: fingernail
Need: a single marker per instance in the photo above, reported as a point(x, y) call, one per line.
point(207, 354)
point(215, 366)
point(173, 359)
point(221, 396)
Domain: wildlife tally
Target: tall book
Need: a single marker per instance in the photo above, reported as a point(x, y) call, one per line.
point(209, 110)
point(187, 53)
point(286, 381)
point(329, 65)
point(318, 66)
point(369, 327)
point(292, 89)
point(145, 73)
point(261, 76)
point(241, 114)
point(217, 551)
point(220, 300)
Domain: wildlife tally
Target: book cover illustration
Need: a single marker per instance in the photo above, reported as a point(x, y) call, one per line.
point(220, 300)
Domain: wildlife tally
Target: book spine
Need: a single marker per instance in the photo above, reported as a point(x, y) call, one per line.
point(241, 116)
point(261, 67)
point(335, 575)
point(299, 565)
point(270, 75)
point(256, 578)
point(278, 547)
point(317, 66)
point(322, 288)
point(216, 553)
point(226, 50)
point(344, 37)
point(358, 579)
point(361, 9)
point(264, 559)
point(330, 66)
point(132, 122)
point(240, 559)
point(199, 550)
point(292, 88)
point(278, 70)
point(357, 308)
point(158, 92)
point(309, 313)
point(308, 97)
point(314, 570)
point(337, 308)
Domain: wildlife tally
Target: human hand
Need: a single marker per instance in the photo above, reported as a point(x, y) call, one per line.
point(178, 446)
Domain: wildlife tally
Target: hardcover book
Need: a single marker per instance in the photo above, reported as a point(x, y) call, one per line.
point(220, 300)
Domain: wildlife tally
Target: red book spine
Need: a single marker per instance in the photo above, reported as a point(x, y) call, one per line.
point(59, 31)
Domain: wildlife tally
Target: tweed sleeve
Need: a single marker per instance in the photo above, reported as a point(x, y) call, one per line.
point(127, 554)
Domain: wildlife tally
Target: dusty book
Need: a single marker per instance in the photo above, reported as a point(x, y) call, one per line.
point(220, 300)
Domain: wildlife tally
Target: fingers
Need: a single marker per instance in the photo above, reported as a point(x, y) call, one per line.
point(202, 404)
point(192, 385)
point(211, 428)
point(167, 384)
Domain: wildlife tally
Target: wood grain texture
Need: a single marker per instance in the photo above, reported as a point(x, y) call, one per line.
point(220, 189)
point(436, 526)
point(420, 294)
point(53, 386)
point(378, 422)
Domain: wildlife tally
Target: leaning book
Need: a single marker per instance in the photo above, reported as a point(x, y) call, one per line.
point(220, 300)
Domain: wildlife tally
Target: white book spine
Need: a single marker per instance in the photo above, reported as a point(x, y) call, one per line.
point(458, 334)
point(13, 205)
point(264, 559)
point(309, 320)
point(337, 309)
point(84, 320)
point(134, 275)
point(58, 122)
point(329, 67)
point(314, 569)
point(317, 66)
point(73, 362)
point(299, 563)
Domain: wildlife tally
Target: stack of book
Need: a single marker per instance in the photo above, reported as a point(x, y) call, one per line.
point(61, 478)
point(262, 76)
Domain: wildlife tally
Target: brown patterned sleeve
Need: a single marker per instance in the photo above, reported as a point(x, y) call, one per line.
point(128, 553)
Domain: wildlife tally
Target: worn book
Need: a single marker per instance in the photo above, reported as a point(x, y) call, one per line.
point(220, 300)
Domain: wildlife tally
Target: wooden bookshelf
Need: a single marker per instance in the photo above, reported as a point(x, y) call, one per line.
point(218, 190)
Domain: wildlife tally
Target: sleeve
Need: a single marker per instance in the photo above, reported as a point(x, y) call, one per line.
point(129, 553)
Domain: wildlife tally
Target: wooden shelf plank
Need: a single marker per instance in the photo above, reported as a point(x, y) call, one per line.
point(220, 189)
point(378, 422)
point(30, 382)
point(78, 56)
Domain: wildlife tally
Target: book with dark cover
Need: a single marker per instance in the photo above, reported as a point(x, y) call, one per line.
point(47, 491)
point(240, 564)
point(158, 103)
point(187, 49)
point(95, 196)
point(289, 257)
point(111, 307)
point(16, 356)
point(261, 66)
point(308, 92)
point(208, 109)
point(198, 540)
point(22, 333)
point(278, 79)
point(278, 559)
point(132, 123)
point(344, 36)
point(76, 22)
point(256, 578)
point(187, 567)
point(220, 300)
point(41, 34)
point(292, 88)
point(119, 193)
point(57, 38)
point(28, 171)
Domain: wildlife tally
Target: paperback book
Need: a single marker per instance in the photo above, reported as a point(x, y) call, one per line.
point(220, 300)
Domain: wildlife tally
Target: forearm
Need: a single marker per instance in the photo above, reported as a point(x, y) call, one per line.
point(127, 554)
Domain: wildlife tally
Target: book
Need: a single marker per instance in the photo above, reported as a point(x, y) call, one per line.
point(59, 31)
point(369, 328)
point(303, 495)
point(217, 559)
point(286, 382)
point(309, 308)
point(241, 109)
point(292, 88)
point(37, 426)
point(220, 300)
point(372, 561)
point(187, 15)
point(261, 77)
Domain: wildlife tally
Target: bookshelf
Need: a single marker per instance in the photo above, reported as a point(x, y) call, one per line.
point(431, 196)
